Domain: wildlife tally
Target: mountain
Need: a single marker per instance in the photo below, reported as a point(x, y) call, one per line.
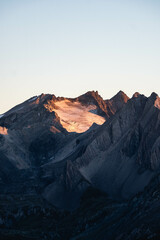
point(74, 158)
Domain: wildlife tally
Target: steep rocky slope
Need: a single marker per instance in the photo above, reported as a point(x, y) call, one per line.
point(111, 159)
point(108, 157)
point(136, 219)
point(56, 149)
point(98, 217)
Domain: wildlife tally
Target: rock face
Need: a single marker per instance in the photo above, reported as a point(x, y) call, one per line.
point(117, 102)
point(57, 148)
point(117, 146)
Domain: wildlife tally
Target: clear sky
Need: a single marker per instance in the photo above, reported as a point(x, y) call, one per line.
point(68, 47)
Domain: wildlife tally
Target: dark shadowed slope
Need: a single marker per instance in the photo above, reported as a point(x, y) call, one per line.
point(46, 153)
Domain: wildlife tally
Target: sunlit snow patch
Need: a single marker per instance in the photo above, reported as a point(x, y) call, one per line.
point(76, 117)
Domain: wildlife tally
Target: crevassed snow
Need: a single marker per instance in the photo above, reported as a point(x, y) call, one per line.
point(76, 117)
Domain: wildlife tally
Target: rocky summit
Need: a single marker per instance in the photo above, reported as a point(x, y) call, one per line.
point(81, 168)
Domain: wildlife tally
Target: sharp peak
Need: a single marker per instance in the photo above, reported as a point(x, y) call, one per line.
point(136, 94)
point(121, 94)
point(154, 99)
point(93, 92)
point(43, 95)
point(153, 95)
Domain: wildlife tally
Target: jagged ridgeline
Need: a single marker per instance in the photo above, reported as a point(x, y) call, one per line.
point(81, 168)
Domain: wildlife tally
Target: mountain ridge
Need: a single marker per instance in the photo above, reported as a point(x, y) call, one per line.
point(39, 155)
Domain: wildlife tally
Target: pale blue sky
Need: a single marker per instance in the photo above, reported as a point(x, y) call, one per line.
point(73, 46)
